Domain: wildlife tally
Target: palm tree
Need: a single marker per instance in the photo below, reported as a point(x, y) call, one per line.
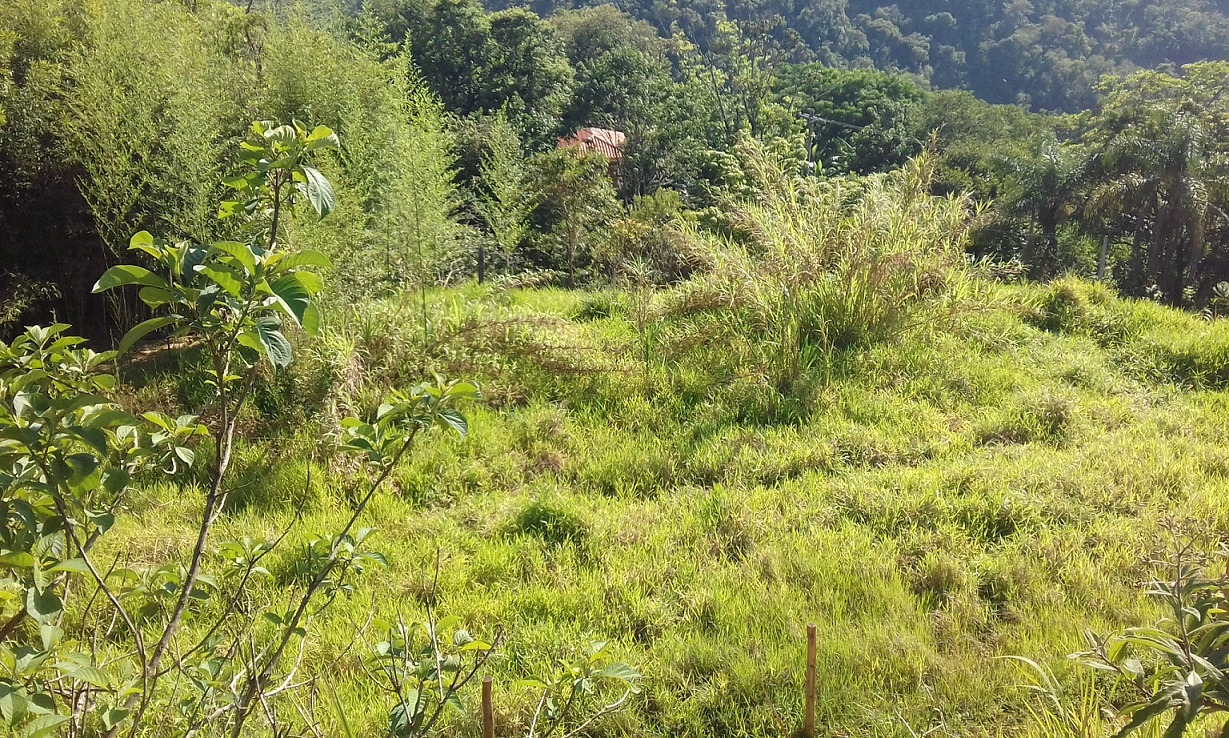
point(1045, 189)
point(1163, 171)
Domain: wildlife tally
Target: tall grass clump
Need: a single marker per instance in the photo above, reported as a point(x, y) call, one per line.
point(812, 266)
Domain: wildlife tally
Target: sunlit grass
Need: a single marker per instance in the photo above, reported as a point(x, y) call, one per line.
point(931, 504)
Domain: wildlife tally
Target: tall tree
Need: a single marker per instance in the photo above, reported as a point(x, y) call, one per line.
point(574, 208)
point(1045, 188)
point(1161, 147)
point(504, 200)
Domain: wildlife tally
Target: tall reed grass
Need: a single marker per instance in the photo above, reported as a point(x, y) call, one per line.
point(812, 266)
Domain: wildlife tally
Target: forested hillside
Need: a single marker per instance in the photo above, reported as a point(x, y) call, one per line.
point(1046, 55)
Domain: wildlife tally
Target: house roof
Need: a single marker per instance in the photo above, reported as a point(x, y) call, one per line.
point(607, 142)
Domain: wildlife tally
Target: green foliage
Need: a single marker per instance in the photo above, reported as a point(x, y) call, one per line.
point(574, 688)
point(483, 63)
point(504, 203)
point(1158, 144)
point(963, 549)
point(425, 667)
point(573, 208)
point(648, 246)
point(72, 459)
point(233, 293)
point(111, 138)
point(1045, 55)
point(857, 120)
point(1175, 669)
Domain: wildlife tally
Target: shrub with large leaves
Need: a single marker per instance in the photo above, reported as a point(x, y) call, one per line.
point(238, 294)
point(68, 458)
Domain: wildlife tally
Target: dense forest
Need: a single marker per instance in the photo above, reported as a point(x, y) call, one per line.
point(424, 367)
point(1044, 55)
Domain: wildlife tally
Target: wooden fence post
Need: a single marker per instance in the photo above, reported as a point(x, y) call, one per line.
point(488, 710)
point(809, 727)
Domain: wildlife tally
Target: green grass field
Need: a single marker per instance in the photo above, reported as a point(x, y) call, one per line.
point(981, 488)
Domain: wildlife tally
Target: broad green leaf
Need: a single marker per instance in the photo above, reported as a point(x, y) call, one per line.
point(126, 274)
point(92, 436)
point(305, 258)
point(251, 340)
point(282, 134)
point(464, 391)
point(50, 635)
point(224, 278)
point(43, 606)
point(311, 319)
point(155, 297)
point(276, 347)
point(240, 251)
point(310, 281)
point(143, 241)
point(77, 566)
point(621, 672)
point(185, 454)
point(17, 560)
point(113, 717)
point(144, 328)
point(322, 137)
point(291, 295)
point(85, 673)
point(230, 208)
point(319, 191)
point(451, 418)
point(1146, 713)
point(44, 726)
point(12, 703)
point(238, 182)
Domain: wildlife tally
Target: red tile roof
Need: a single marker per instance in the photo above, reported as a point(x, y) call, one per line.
point(607, 142)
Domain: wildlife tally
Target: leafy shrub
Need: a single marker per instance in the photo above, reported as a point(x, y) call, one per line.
point(1075, 306)
point(649, 237)
point(1174, 671)
point(21, 295)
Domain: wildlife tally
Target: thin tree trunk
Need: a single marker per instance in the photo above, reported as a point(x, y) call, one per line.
point(1156, 252)
point(1196, 251)
point(1138, 265)
point(1028, 255)
point(1102, 257)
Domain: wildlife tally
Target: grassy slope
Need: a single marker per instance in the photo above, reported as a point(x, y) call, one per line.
point(983, 491)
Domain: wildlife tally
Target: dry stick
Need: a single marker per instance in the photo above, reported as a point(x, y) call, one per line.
point(809, 728)
point(488, 710)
